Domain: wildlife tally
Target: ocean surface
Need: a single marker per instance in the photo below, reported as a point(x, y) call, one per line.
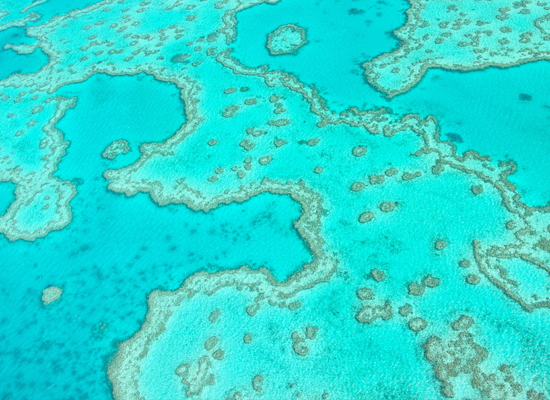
point(484, 109)
point(224, 222)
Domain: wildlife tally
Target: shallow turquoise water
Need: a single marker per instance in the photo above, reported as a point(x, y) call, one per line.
point(488, 111)
point(341, 36)
point(7, 196)
point(118, 249)
point(482, 107)
point(139, 109)
point(53, 8)
point(15, 35)
point(13, 63)
point(114, 253)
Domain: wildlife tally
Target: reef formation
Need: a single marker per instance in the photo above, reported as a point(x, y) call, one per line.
point(462, 36)
point(286, 39)
point(410, 241)
point(51, 294)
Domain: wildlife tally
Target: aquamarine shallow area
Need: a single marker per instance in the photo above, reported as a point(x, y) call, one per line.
point(7, 195)
point(13, 63)
point(114, 253)
point(369, 241)
point(142, 109)
point(116, 250)
point(15, 36)
point(53, 8)
point(139, 109)
point(502, 113)
point(486, 108)
point(341, 34)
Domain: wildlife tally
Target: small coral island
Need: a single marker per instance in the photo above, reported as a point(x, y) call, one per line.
point(286, 39)
point(115, 149)
point(51, 294)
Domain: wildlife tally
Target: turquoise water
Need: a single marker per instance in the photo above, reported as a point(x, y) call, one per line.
point(7, 196)
point(13, 63)
point(53, 8)
point(106, 262)
point(15, 36)
point(113, 108)
point(116, 250)
point(364, 237)
point(483, 107)
point(46, 10)
point(341, 36)
point(488, 111)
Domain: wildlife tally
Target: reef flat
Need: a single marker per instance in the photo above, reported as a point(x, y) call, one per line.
point(286, 39)
point(462, 36)
point(51, 294)
point(422, 273)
